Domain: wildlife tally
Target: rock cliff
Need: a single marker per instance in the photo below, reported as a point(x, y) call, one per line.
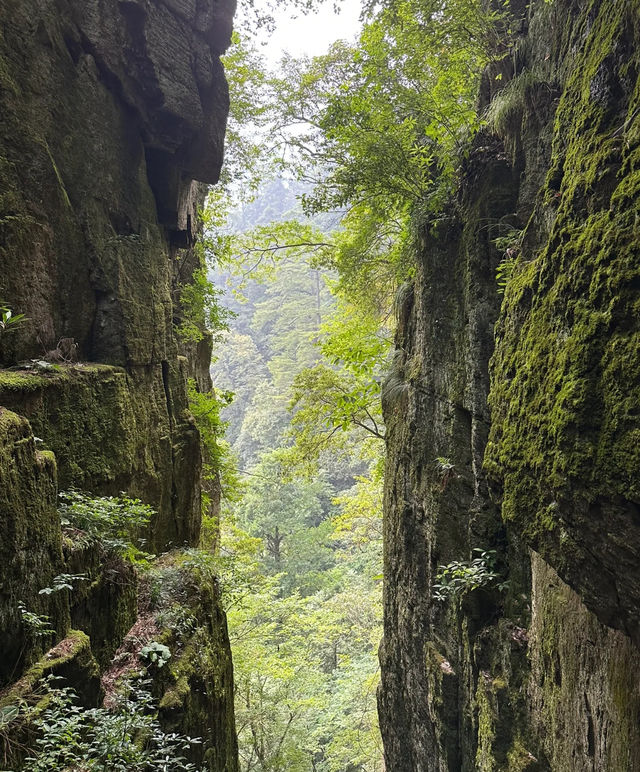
point(113, 117)
point(513, 425)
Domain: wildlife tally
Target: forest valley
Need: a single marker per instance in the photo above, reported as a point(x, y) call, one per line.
point(330, 162)
point(418, 273)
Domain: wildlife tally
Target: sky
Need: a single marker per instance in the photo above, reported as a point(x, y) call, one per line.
point(314, 33)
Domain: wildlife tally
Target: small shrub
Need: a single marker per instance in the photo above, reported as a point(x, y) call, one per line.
point(8, 320)
point(179, 619)
point(114, 521)
point(37, 625)
point(199, 308)
point(446, 470)
point(504, 113)
point(458, 578)
point(63, 582)
point(155, 653)
point(510, 244)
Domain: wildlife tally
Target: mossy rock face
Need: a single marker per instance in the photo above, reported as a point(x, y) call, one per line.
point(435, 406)
point(564, 450)
point(195, 687)
point(121, 107)
point(98, 160)
point(105, 604)
point(110, 113)
point(70, 659)
point(584, 689)
point(561, 434)
point(112, 431)
point(31, 543)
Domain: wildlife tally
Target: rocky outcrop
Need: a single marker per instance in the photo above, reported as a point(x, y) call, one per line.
point(31, 540)
point(563, 448)
point(113, 117)
point(536, 467)
point(435, 404)
point(121, 106)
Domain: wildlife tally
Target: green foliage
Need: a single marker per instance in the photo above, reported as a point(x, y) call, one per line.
point(247, 162)
point(260, 249)
point(8, 320)
point(199, 308)
point(304, 664)
point(327, 404)
point(155, 653)
point(382, 126)
point(127, 738)
point(446, 470)
point(286, 514)
point(7, 714)
point(505, 110)
point(63, 582)
point(274, 339)
point(378, 113)
point(337, 402)
point(510, 244)
point(36, 625)
point(218, 463)
point(114, 521)
point(458, 578)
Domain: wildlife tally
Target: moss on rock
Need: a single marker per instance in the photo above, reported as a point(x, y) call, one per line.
point(70, 659)
point(105, 605)
point(584, 691)
point(31, 550)
point(564, 448)
point(197, 686)
point(112, 431)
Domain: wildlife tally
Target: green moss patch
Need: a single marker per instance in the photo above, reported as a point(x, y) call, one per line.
point(566, 371)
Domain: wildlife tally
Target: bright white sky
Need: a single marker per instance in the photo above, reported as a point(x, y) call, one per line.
point(314, 33)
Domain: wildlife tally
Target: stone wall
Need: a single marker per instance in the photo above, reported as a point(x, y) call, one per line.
point(526, 672)
point(113, 117)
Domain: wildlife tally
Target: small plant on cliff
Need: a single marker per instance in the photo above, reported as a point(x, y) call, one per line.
point(510, 245)
point(8, 320)
point(198, 307)
point(37, 625)
point(113, 521)
point(461, 577)
point(504, 113)
point(155, 653)
point(446, 470)
point(218, 463)
point(63, 582)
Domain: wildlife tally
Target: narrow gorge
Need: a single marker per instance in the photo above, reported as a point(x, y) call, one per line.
point(510, 398)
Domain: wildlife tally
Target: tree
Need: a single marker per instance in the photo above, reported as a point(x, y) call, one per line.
point(336, 403)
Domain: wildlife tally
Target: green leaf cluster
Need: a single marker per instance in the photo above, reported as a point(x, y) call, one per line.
point(63, 582)
point(458, 578)
point(8, 320)
point(116, 522)
point(36, 625)
point(155, 653)
point(125, 738)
